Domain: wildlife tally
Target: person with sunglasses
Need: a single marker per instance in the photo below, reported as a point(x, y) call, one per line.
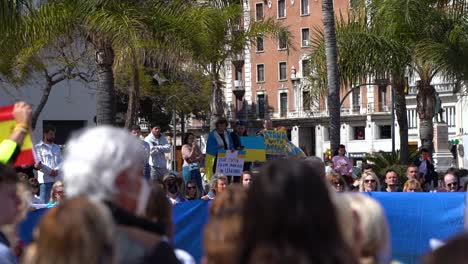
point(191, 192)
point(369, 182)
point(336, 182)
point(452, 183)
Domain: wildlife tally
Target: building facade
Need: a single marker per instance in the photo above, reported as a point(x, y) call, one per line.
point(269, 81)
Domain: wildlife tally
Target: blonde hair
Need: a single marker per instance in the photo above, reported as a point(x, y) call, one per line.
point(76, 231)
point(412, 182)
point(214, 181)
point(373, 227)
point(52, 192)
point(374, 176)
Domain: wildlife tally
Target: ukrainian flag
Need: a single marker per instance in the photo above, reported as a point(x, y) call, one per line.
point(7, 124)
point(254, 148)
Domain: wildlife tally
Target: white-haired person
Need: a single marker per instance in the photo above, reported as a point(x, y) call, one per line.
point(106, 164)
point(218, 185)
point(369, 182)
point(368, 232)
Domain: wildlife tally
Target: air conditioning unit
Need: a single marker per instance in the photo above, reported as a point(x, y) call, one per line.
point(305, 43)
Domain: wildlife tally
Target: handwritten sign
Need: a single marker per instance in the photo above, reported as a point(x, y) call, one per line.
point(230, 163)
point(275, 142)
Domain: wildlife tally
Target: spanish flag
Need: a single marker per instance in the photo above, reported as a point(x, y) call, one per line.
point(7, 124)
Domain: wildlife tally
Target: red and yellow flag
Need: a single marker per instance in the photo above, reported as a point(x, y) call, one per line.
point(7, 124)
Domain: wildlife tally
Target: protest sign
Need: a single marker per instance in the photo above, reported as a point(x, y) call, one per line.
point(230, 163)
point(275, 142)
point(254, 148)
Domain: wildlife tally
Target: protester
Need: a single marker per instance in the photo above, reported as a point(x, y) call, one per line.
point(50, 159)
point(336, 181)
point(172, 189)
point(56, 194)
point(267, 125)
point(159, 146)
point(240, 131)
point(371, 227)
point(412, 172)
point(218, 139)
point(391, 181)
point(106, 164)
point(369, 182)
point(10, 148)
point(9, 204)
point(342, 164)
point(192, 156)
point(280, 221)
point(76, 231)
point(136, 131)
point(159, 210)
point(412, 185)
point(218, 185)
point(34, 186)
point(221, 243)
point(452, 183)
point(368, 168)
point(426, 170)
point(191, 191)
point(246, 179)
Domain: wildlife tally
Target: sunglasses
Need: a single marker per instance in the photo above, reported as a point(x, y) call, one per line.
point(369, 181)
point(59, 192)
point(454, 184)
point(338, 183)
point(191, 187)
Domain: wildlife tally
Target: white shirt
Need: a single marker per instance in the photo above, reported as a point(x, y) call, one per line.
point(158, 148)
point(50, 156)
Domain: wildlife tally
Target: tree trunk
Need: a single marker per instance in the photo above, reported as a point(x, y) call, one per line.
point(42, 103)
point(401, 114)
point(217, 102)
point(425, 106)
point(332, 72)
point(133, 96)
point(105, 95)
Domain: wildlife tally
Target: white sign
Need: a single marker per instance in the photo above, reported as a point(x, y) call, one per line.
point(230, 163)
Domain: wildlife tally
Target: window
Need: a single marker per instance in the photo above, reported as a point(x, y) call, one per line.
point(261, 105)
point(412, 116)
point(281, 8)
point(305, 37)
point(306, 100)
point(356, 100)
point(305, 68)
point(385, 132)
point(359, 133)
point(326, 133)
point(258, 11)
point(260, 73)
point(260, 47)
point(382, 99)
point(283, 104)
point(282, 42)
point(282, 71)
point(304, 7)
point(449, 116)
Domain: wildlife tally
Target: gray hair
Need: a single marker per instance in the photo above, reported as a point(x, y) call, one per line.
point(96, 156)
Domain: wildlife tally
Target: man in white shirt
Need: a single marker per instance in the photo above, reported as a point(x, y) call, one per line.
point(50, 159)
point(159, 146)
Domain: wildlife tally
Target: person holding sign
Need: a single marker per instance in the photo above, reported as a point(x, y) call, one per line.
point(219, 139)
point(191, 155)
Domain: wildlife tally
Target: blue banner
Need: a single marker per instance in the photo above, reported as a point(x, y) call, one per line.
point(414, 219)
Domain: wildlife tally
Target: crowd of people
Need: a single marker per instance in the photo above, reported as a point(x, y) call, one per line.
point(420, 176)
point(111, 199)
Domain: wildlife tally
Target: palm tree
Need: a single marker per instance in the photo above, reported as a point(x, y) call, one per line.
point(110, 26)
point(364, 52)
point(333, 77)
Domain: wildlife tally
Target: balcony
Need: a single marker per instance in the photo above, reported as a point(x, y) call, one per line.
point(440, 88)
